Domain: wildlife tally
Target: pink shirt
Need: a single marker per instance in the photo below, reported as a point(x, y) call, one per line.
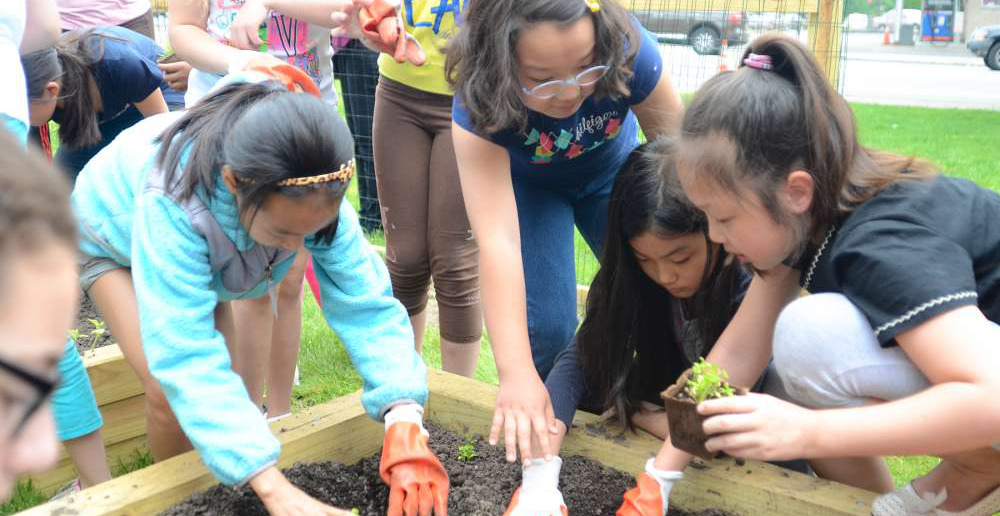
point(79, 14)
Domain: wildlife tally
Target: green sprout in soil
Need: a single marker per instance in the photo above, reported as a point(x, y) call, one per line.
point(708, 381)
point(90, 339)
point(467, 452)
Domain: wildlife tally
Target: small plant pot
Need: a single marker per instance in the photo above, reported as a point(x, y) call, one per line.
point(686, 431)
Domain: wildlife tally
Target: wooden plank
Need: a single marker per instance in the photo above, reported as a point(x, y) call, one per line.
point(110, 374)
point(825, 31)
point(65, 471)
point(756, 489)
point(791, 6)
point(339, 429)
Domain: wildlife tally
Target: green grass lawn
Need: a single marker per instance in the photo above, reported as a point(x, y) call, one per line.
point(961, 142)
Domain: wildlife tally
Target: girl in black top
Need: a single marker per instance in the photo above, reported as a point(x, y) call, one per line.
point(662, 296)
point(897, 352)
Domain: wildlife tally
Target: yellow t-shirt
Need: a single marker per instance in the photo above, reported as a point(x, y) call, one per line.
point(431, 22)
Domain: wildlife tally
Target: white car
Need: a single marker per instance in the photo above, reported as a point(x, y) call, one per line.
point(910, 17)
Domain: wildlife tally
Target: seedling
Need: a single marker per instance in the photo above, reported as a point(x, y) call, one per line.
point(467, 452)
point(708, 381)
point(90, 339)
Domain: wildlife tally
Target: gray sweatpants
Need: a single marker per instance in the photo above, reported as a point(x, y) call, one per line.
point(826, 356)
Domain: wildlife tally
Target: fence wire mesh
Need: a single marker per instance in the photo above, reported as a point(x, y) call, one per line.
point(697, 40)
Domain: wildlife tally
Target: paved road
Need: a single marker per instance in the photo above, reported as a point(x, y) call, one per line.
point(933, 75)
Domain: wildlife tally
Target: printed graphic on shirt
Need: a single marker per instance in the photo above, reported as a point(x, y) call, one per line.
point(590, 133)
point(437, 16)
point(287, 38)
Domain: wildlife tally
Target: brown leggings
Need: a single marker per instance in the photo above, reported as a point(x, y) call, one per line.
point(427, 232)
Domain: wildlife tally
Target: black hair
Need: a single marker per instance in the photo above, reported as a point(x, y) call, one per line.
point(481, 63)
point(628, 314)
point(69, 62)
point(752, 127)
point(265, 134)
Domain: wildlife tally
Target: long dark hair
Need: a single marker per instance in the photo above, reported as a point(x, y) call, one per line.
point(627, 312)
point(69, 62)
point(481, 63)
point(752, 127)
point(265, 134)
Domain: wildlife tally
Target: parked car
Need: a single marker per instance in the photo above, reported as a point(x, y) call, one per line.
point(888, 20)
point(985, 42)
point(777, 21)
point(703, 30)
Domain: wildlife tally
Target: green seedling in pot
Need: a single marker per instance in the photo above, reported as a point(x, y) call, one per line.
point(708, 381)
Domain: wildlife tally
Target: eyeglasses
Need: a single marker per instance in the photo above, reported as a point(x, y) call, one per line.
point(549, 89)
point(17, 408)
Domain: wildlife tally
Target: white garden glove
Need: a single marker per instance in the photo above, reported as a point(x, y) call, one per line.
point(539, 492)
point(652, 494)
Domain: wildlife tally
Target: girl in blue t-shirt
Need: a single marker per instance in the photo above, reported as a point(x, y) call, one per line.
point(188, 211)
point(896, 351)
point(94, 84)
point(549, 98)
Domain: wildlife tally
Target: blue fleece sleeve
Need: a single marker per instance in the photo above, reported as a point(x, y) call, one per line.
point(359, 306)
point(186, 354)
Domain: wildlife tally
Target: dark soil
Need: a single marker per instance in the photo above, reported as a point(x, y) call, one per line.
point(88, 339)
point(480, 487)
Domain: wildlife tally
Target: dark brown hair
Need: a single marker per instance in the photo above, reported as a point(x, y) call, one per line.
point(265, 134)
point(628, 314)
point(754, 127)
point(34, 201)
point(69, 63)
point(481, 63)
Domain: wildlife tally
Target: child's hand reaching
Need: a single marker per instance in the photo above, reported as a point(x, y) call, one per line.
point(379, 26)
point(523, 410)
point(244, 32)
point(758, 426)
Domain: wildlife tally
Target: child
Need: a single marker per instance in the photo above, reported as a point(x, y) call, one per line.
point(427, 232)
point(896, 350)
point(549, 97)
point(38, 299)
point(188, 211)
point(94, 84)
point(663, 295)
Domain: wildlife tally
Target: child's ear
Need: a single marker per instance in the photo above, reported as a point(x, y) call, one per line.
point(798, 192)
point(229, 177)
point(52, 90)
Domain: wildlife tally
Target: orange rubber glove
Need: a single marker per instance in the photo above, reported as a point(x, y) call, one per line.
point(418, 482)
point(293, 78)
point(382, 26)
point(651, 494)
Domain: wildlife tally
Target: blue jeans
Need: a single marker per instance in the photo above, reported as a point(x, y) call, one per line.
point(547, 215)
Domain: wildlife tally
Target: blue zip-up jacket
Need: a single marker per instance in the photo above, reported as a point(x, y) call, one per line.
point(177, 293)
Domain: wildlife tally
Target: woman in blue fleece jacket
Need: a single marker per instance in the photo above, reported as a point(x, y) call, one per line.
point(187, 211)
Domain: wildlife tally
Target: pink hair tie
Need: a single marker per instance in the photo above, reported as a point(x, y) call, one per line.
point(758, 61)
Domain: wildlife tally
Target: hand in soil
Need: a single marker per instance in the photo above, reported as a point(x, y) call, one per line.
point(539, 492)
point(418, 483)
point(524, 408)
point(758, 426)
point(281, 498)
point(651, 494)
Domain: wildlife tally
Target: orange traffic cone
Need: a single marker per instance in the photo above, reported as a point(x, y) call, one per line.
point(885, 37)
point(722, 56)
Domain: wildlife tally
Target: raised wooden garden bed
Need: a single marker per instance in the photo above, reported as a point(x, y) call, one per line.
point(122, 403)
point(339, 430)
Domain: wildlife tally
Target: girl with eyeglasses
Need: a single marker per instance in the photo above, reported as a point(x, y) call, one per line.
point(549, 99)
point(38, 300)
